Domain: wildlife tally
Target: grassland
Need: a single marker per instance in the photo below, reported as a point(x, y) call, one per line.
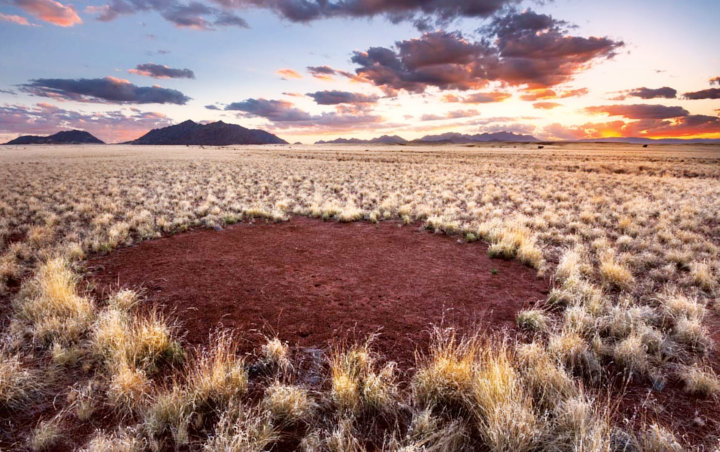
point(629, 238)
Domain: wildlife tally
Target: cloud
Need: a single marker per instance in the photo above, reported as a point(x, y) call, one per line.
point(710, 93)
point(478, 98)
point(517, 49)
point(161, 71)
point(659, 93)
point(689, 126)
point(193, 14)
point(341, 97)
point(19, 20)
point(285, 115)
point(546, 94)
point(457, 114)
point(546, 105)
point(287, 74)
point(715, 81)
point(322, 72)
point(45, 118)
point(50, 11)
point(107, 90)
point(274, 110)
point(639, 111)
point(212, 107)
point(422, 12)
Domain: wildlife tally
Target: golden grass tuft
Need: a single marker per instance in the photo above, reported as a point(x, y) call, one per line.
point(50, 303)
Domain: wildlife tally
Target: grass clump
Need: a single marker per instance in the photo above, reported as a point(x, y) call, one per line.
point(357, 384)
point(532, 320)
point(700, 382)
point(17, 382)
point(50, 303)
point(289, 404)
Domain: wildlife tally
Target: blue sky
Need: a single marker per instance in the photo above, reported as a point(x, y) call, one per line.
point(603, 51)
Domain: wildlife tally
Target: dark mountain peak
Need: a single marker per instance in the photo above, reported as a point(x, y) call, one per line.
point(212, 134)
point(64, 137)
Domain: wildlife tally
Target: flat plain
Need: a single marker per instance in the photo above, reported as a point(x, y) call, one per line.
point(595, 268)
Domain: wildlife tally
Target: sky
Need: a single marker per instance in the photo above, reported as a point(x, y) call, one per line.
point(311, 70)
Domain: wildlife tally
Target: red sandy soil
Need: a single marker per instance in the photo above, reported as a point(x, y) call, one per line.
point(315, 283)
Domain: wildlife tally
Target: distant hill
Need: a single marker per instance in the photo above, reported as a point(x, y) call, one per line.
point(66, 137)
point(460, 138)
point(385, 139)
point(450, 138)
point(213, 134)
point(638, 140)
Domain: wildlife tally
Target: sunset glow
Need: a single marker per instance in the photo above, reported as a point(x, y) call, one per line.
point(309, 70)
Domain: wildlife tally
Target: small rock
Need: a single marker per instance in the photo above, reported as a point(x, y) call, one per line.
point(699, 421)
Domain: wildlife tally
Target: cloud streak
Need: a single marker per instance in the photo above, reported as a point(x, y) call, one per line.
point(193, 14)
point(104, 90)
point(341, 97)
point(161, 71)
point(639, 111)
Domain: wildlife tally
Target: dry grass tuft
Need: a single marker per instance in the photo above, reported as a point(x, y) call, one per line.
point(700, 381)
point(50, 303)
point(17, 382)
point(289, 404)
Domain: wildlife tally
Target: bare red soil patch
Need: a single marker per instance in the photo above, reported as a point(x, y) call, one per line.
point(314, 283)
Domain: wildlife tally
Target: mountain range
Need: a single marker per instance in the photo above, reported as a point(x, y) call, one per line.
point(212, 134)
point(445, 138)
point(65, 137)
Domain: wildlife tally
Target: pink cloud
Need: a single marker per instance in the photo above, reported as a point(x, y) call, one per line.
point(19, 20)
point(50, 11)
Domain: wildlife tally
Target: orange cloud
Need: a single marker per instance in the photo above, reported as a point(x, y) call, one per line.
point(50, 11)
point(477, 98)
point(287, 74)
point(539, 94)
point(546, 105)
point(688, 127)
point(19, 20)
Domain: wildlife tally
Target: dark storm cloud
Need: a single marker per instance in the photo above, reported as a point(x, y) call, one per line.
point(341, 97)
point(518, 49)
point(190, 15)
point(710, 93)
point(107, 90)
point(648, 93)
point(639, 111)
point(161, 71)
